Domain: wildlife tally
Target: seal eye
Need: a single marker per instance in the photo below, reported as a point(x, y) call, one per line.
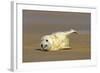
point(46, 40)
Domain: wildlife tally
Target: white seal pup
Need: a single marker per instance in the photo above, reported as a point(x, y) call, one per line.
point(56, 41)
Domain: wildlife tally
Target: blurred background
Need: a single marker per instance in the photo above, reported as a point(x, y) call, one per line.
point(51, 21)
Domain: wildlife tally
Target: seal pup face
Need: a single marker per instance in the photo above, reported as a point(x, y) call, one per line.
point(46, 43)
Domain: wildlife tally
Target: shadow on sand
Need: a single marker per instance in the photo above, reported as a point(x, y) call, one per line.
point(57, 50)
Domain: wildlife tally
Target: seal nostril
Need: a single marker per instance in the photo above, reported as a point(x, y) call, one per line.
point(46, 45)
point(42, 45)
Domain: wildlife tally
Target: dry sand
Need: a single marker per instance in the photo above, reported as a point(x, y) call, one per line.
point(80, 49)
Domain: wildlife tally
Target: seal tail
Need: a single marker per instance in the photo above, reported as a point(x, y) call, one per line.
point(71, 31)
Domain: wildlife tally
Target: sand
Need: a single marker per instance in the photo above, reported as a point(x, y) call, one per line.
point(80, 49)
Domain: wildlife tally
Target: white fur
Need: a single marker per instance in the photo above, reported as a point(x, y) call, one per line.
point(56, 41)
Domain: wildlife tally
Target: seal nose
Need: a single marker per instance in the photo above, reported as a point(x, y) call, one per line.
point(46, 45)
point(42, 45)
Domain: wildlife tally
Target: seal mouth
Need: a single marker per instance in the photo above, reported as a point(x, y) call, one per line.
point(45, 50)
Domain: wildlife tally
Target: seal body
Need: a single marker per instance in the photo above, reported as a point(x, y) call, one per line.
point(56, 41)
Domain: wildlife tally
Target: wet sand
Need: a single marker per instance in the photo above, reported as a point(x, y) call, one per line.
point(80, 49)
